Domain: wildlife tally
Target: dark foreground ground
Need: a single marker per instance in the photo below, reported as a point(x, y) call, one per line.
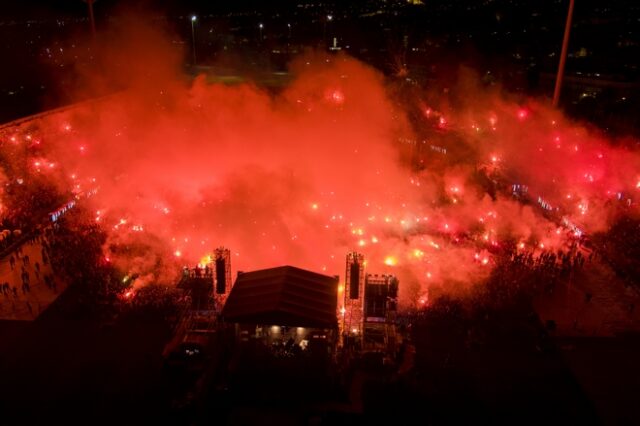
point(67, 368)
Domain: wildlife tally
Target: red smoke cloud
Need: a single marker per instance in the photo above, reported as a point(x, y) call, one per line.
point(327, 166)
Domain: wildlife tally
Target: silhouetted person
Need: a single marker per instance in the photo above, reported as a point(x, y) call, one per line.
point(12, 262)
point(289, 344)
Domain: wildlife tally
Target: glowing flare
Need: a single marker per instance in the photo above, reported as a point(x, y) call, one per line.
point(337, 97)
point(390, 261)
point(523, 113)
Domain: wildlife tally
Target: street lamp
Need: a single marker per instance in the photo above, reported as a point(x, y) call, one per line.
point(324, 28)
point(563, 56)
point(193, 37)
point(91, 18)
point(260, 27)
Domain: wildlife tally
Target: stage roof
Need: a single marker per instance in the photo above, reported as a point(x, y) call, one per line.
point(286, 296)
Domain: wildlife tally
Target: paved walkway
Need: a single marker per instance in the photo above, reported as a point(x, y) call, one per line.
point(27, 304)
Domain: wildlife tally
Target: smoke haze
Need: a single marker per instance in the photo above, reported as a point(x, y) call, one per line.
point(335, 162)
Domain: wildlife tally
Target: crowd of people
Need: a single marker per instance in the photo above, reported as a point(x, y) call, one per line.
point(198, 271)
point(619, 248)
point(8, 237)
point(31, 272)
point(547, 267)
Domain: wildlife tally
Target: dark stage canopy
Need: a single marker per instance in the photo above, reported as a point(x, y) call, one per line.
point(286, 296)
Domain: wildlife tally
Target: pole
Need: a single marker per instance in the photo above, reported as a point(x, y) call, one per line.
point(563, 56)
point(193, 39)
point(327, 22)
point(92, 20)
